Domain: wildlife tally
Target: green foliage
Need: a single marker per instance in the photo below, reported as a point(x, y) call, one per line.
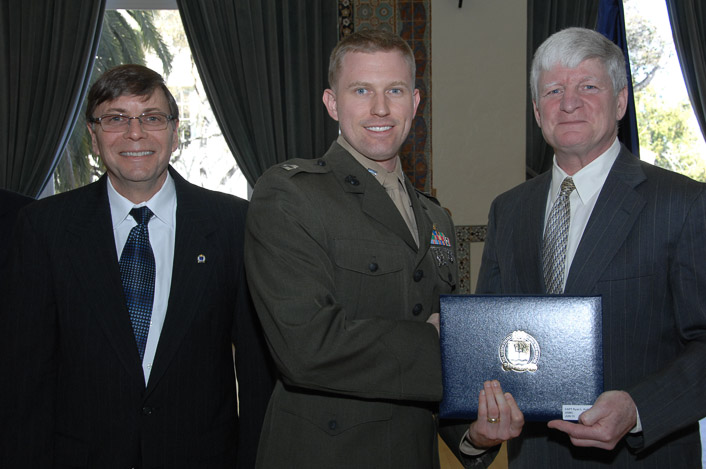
point(126, 36)
point(665, 131)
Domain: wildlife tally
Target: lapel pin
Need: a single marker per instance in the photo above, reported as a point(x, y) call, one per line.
point(201, 259)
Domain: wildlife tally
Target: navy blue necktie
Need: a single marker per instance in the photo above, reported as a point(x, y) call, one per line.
point(137, 272)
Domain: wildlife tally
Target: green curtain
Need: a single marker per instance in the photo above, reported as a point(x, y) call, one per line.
point(264, 66)
point(47, 51)
point(544, 18)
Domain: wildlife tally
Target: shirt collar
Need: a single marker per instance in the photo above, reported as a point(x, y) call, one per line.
point(589, 179)
point(162, 204)
point(373, 166)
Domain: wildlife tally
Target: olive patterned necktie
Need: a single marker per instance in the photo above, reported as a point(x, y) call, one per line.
point(555, 239)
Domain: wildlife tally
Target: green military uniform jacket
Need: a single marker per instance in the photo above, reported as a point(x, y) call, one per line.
point(343, 294)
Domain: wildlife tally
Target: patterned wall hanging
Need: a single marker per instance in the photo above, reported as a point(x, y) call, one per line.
point(412, 21)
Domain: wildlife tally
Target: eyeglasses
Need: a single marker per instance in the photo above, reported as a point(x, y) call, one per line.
point(121, 122)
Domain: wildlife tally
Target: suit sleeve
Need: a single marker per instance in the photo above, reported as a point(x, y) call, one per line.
point(672, 398)
point(453, 433)
point(314, 342)
point(255, 374)
point(489, 274)
point(28, 354)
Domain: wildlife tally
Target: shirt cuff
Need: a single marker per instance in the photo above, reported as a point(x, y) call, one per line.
point(638, 426)
point(467, 447)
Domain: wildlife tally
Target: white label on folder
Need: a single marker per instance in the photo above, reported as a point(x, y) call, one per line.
point(572, 412)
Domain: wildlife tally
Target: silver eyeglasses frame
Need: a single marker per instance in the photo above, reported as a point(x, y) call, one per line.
point(124, 123)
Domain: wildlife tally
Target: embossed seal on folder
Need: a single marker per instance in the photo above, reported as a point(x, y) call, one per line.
point(519, 352)
point(484, 337)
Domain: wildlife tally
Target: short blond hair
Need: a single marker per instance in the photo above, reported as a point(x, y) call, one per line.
point(368, 41)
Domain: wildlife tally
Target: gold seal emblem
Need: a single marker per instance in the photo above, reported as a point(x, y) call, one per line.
point(519, 352)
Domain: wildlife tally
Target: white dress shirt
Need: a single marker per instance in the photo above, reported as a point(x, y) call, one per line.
point(589, 182)
point(162, 232)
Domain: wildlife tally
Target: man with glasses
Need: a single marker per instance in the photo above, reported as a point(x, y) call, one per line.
point(130, 295)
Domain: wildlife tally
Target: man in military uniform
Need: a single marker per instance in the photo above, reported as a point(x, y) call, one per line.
point(346, 262)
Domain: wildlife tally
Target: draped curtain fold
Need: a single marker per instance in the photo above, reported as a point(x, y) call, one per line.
point(545, 17)
point(264, 66)
point(611, 23)
point(688, 20)
point(46, 55)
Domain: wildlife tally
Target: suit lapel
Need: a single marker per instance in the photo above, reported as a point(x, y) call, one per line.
point(95, 262)
point(528, 233)
point(375, 202)
point(189, 276)
point(614, 215)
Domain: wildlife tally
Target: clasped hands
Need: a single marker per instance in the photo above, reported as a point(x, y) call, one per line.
point(500, 419)
point(602, 426)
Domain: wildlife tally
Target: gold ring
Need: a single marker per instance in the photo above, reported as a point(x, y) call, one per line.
point(492, 420)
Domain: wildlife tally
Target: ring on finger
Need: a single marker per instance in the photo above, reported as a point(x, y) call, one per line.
point(493, 420)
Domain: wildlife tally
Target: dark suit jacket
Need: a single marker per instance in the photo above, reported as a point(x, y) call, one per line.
point(343, 294)
point(10, 204)
point(79, 387)
point(644, 251)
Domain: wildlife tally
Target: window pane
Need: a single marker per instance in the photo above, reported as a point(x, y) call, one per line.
point(670, 136)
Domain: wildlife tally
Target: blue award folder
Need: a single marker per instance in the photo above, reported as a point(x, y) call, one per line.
point(545, 350)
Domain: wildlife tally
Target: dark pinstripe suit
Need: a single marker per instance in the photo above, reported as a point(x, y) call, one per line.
point(644, 251)
point(79, 388)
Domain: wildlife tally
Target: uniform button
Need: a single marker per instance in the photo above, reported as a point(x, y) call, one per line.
point(352, 180)
point(147, 410)
point(417, 310)
point(332, 424)
point(418, 275)
point(373, 266)
point(321, 163)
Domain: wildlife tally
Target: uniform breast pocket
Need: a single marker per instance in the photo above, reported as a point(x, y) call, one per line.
point(444, 257)
point(369, 276)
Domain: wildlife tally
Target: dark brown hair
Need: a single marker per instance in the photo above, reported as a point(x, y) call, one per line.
point(127, 80)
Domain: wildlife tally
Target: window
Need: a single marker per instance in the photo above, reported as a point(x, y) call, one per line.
point(203, 156)
point(670, 136)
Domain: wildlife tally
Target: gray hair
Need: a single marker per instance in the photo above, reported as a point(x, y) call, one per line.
point(570, 47)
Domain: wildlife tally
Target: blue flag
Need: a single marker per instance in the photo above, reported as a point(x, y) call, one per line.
point(611, 23)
